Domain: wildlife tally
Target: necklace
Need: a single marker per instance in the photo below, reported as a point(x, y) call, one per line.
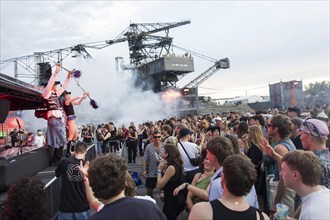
point(233, 202)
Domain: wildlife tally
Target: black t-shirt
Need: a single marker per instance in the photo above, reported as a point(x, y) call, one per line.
point(297, 142)
point(73, 194)
point(130, 208)
point(85, 139)
point(14, 136)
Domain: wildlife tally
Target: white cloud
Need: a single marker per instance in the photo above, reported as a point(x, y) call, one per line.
point(265, 41)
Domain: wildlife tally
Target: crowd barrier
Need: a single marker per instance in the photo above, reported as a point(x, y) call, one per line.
point(35, 164)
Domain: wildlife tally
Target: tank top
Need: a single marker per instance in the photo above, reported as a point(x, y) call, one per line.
point(202, 184)
point(290, 146)
point(222, 212)
point(52, 103)
point(68, 109)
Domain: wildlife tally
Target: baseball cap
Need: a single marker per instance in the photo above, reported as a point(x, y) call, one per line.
point(297, 121)
point(315, 127)
point(66, 92)
point(215, 120)
point(322, 116)
point(295, 109)
point(185, 132)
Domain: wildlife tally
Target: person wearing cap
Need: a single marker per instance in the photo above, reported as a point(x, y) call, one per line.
point(216, 121)
point(294, 112)
point(72, 132)
point(40, 139)
point(56, 134)
point(322, 116)
point(259, 121)
point(314, 135)
point(188, 148)
point(295, 134)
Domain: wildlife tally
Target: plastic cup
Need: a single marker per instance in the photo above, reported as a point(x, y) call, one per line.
point(282, 211)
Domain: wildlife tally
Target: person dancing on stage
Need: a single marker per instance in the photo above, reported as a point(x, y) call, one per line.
point(72, 131)
point(56, 135)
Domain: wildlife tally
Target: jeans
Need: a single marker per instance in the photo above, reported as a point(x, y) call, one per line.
point(74, 215)
point(99, 147)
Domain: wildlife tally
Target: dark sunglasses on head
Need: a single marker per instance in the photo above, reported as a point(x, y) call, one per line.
point(157, 136)
point(315, 131)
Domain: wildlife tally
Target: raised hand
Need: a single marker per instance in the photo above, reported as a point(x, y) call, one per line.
point(84, 168)
point(267, 148)
point(58, 67)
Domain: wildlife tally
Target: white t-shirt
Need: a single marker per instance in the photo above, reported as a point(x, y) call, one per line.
point(192, 150)
point(316, 205)
point(39, 140)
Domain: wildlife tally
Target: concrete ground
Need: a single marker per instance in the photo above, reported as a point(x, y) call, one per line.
point(142, 190)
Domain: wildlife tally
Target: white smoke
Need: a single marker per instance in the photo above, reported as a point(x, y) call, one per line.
point(121, 102)
point(31, 123)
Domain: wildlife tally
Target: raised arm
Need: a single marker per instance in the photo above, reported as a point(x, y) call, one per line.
point(93, 202)
point(65, 84)
point(47, 91)
point(271, 152)
point(81, 99)
point(74, 100)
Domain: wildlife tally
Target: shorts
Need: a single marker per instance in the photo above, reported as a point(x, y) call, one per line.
point(70, 117)
point(151, 182)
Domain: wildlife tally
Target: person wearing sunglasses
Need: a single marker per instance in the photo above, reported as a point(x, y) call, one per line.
point(279, 129)
point(314, 135)
point(151, 159)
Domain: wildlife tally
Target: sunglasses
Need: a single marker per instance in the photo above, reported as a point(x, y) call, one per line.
point(314, 132)
point(157, 136)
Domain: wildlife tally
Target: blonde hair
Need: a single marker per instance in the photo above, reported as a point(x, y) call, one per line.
point(256, 136)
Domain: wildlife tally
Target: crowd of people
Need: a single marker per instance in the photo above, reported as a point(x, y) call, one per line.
point(229, 165)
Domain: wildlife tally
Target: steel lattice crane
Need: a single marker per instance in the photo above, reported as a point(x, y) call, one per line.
point(143, 46)
point(220, 64)
point(143, 49)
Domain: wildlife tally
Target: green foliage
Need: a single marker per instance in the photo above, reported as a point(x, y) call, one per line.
point(317, 89)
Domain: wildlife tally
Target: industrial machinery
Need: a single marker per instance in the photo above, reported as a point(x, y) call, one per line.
point(154, 64)
point(149, 54)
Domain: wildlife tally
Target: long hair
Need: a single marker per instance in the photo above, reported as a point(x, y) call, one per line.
point(256, 136)
point(242, 129)
point(130, 190)
point(173, 157)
